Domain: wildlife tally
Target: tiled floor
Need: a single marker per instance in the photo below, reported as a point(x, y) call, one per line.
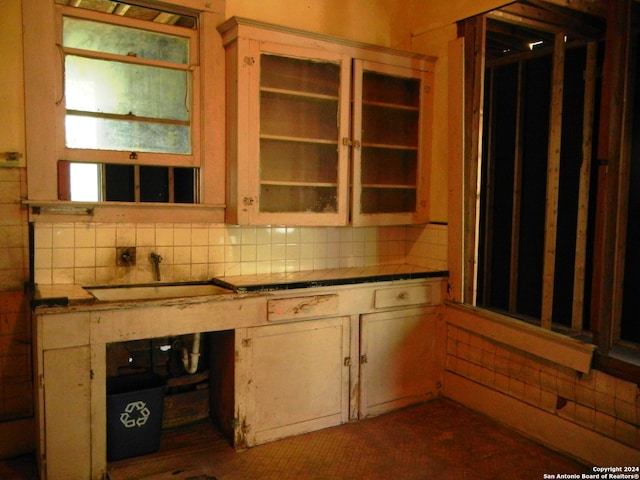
point(436, 440)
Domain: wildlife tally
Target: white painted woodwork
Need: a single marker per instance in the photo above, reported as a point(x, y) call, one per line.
point(43, 90)
point(397, 354)
point(288, 376)
point(419, 179)
point(403, 296)
point(68, 432)
point(302, 307)
point(299, 381)
point(246, 42)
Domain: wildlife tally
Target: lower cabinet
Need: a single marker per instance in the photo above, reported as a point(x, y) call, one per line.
point(305, 375)
point(398, 364)
point(298, 379)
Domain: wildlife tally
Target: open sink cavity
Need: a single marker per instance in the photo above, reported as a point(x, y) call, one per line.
point(146, 292)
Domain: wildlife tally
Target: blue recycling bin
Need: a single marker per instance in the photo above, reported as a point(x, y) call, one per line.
point(134, 415)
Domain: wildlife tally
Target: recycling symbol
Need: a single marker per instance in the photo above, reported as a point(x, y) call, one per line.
point(135, 414)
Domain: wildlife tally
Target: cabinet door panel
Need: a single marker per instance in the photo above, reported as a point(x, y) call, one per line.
point(391, 112)
point(397, 352)
point(299, 380)
point(68, 416)
point(301, 97)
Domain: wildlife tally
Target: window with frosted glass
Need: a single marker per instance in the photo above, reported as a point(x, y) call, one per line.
point(126, 89)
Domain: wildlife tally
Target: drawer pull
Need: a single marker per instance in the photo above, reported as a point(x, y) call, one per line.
point(303, 308)
point(403, 296)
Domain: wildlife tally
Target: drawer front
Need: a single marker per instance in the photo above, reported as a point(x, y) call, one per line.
point(400, 296)
point(302, 307)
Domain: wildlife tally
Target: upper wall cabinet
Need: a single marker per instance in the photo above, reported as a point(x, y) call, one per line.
point(324, 131)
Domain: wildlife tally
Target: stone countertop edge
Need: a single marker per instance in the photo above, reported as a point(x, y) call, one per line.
point(250, 283)
point(66, 295)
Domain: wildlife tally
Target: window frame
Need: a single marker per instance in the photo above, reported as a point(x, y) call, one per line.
point(117, 156)
point(613, 355)
point(43, 88)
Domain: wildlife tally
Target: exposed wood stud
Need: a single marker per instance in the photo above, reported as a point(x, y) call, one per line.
point(579, 286)
point(475, 34)
point(553, 181)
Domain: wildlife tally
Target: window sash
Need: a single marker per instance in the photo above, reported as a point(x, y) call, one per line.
point(191, 159)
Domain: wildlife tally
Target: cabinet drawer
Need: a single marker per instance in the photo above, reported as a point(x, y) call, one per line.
point(302, 307)
point(400, 296)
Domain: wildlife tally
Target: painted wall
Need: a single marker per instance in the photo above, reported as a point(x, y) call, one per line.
point(383, 22)
point(380, 22)
point(431, 15)
point(426, 26)
point(16, 387)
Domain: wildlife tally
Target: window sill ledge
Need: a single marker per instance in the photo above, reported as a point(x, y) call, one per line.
point(546, 344)
point(620, 362)
point(123, 212)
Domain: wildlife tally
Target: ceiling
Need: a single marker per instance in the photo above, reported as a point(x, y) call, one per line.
point(529, 24)
point(512, 30)
point(141, 10)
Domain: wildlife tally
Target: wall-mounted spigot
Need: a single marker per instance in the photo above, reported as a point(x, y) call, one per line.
point(125, 256)
point(155, 260)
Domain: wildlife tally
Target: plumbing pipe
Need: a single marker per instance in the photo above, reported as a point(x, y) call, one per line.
point(190, 361)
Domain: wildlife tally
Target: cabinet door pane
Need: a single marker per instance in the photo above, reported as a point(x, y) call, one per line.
point(299, 107)
point(388, 128)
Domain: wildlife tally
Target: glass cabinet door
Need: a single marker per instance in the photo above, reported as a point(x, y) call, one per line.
point(387, 178)
point(302, 166)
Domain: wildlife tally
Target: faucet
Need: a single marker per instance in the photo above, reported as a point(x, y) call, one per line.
point(156, 259)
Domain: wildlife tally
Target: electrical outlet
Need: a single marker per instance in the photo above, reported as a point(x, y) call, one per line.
point(125, 256)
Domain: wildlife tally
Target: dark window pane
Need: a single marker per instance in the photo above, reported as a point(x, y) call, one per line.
point(184, 185)
point(154, 184)
point(119, 183)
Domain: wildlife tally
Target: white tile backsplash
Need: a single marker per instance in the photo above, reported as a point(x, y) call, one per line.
point(85, 253)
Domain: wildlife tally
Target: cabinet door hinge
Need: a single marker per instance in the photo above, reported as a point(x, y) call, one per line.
point(246, 342)
point(248, 201)
point(347, 361)
point(249, 61)
point(363, 359)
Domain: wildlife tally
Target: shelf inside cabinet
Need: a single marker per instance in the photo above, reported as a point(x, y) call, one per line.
point(388, 186)
point(301, 116)
point(379, 88)
point(299, 75)
point(387, 200)
point(300, 184)
point(301, 94)
point(384, 166)
point(390, 126)
point(298, 161)
point(281, 198)
point(286, 138)
point(391, 105)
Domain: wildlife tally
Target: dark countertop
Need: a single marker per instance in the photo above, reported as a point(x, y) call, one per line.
point(323, 278)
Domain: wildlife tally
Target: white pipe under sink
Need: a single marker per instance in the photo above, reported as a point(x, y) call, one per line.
point(191, 360)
